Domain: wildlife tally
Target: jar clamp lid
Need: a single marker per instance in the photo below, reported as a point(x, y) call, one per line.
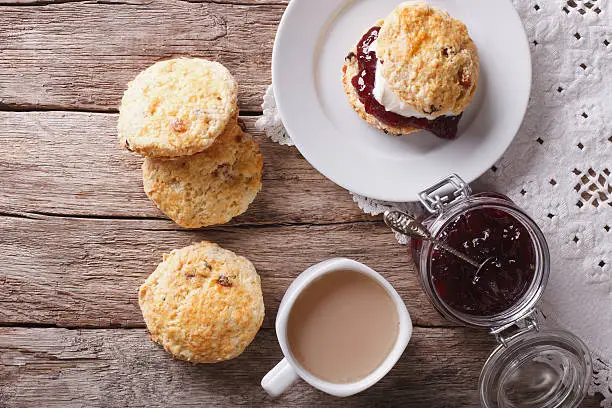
point(531, 367)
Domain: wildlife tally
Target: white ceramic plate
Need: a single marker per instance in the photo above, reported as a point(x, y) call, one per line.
point(313, 38)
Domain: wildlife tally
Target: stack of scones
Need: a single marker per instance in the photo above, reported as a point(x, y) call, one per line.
point(200, 168)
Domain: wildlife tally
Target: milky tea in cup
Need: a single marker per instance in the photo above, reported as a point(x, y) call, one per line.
point(342, 326)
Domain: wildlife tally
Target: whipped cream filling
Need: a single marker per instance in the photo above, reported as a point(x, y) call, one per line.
point(387, 97)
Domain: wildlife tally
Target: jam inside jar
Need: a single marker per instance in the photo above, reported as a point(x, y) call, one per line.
point(486, 227)
point(484, 233)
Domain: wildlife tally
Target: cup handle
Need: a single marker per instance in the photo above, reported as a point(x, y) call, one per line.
point(279, 378)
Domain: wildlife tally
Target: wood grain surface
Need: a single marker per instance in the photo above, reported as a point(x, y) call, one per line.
point(78, 235)
point(80, 272)
point(111, 368)
point(76, 160)
point(81, 55)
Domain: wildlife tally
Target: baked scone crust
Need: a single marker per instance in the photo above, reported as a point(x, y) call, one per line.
point(203, 303)
point(428, 59)
point(210, 187)
point(177, 107)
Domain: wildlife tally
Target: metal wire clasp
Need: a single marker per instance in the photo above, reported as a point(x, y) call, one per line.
point(528, 323)
point(443, 193)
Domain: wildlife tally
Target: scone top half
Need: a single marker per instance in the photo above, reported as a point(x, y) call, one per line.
point(427, 60)
point(177, 107)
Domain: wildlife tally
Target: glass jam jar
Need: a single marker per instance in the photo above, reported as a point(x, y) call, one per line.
point(531, 367)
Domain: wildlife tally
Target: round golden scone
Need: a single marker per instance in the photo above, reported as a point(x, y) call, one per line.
point(349, 70)
point(428, 59)
point(177, 107)
point(210, 187)
point(203, 303)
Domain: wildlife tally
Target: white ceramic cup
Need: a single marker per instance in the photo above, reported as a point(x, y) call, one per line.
point(289, 370)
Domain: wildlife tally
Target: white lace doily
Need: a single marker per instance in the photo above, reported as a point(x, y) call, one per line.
point(559, 166)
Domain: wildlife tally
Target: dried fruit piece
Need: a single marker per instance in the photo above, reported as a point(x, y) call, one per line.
point(224, 281)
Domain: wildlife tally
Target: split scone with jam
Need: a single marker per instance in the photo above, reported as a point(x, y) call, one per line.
point(415, 70)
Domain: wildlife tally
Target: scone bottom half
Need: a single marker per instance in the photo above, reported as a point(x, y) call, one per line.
point(208, 188)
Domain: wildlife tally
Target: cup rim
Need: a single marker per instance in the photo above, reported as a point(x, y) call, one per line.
point(305, 279)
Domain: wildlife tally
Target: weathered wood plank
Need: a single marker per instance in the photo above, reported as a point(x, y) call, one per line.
point(85, 272)
point(71, 163)
point(82, 55)
point(110, 368)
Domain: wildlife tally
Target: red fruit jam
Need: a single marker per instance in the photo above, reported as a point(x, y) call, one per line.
point(444, 127)
point(481, 234)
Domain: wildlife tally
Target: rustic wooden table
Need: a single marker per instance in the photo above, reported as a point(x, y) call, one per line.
point(78, 235)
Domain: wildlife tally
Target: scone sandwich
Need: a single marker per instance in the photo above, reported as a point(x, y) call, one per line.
point(416, 69)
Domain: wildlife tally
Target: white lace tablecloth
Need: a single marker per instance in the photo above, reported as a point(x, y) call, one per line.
point(558, 167)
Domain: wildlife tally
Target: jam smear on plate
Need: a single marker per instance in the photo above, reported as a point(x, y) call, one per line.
point(481, 234)
point(444, 127)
